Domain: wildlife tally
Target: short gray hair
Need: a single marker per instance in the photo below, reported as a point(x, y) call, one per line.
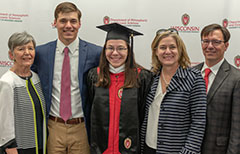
point(19, 39)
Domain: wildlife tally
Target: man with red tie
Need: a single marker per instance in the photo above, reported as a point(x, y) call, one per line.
point(222, 135)
point(62, 66)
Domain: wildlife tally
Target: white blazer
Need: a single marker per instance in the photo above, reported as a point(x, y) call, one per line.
point(7, 131)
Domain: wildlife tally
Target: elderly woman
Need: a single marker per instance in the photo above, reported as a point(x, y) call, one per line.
point(117, 90)
point(21, 97)
point(174, 120)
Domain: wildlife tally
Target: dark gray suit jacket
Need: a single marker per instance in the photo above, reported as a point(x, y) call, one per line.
point(222, 135)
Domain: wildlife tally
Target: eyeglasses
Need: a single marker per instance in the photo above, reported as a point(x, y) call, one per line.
point(171, 30)
point(118, 49)
point(214, 42)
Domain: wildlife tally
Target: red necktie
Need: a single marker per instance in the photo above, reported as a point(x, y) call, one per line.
point(207, 72)
point(65, 98)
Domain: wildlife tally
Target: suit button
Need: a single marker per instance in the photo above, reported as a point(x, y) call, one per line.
point(161, 125)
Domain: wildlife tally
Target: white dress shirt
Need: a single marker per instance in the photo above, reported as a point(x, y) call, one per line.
point(214, 69)
point(76, 102)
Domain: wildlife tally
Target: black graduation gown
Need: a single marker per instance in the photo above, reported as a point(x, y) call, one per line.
point(131, 114)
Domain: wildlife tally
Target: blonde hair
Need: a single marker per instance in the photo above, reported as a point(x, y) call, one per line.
point(183, 60)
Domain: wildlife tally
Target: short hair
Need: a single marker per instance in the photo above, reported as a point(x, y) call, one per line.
point(19, 39)
point(183, 60)
point(210, 28)
point(67, 7)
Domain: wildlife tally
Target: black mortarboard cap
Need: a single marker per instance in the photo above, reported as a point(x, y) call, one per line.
point(116, 31)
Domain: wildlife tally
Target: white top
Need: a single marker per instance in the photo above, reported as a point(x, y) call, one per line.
point(7, 132)
point(214, 69)
point(153, 115)
point(76, 102)
point(17, 109)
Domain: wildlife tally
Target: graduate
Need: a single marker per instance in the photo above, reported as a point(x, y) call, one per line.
point(117, 91)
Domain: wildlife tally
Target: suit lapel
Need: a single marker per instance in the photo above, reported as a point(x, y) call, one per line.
point(51, 59)
point(218, 81)
point(199, 66)
point(82, 61)
point(176, 81)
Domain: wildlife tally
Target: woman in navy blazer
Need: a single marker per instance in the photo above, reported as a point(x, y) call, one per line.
point(175, 113)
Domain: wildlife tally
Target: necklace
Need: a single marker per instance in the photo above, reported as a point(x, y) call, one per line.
point(164, 80)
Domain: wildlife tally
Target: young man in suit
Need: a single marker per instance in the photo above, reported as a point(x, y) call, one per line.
point(222, 135)
point(62, 66)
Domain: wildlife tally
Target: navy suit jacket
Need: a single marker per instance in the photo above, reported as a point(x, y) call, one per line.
point(89, 55)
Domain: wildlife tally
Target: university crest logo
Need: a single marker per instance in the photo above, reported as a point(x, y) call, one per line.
point(127, 143)
point(185, 19)
point(120, 91)
point(237, 61)
point(225, 23)
point(106, 20)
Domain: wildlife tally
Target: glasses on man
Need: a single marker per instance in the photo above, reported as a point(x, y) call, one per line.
point(214, 42)
point(171, 30)
point(118, 49)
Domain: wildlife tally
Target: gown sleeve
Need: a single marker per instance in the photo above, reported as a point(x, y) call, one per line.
point(145, 78)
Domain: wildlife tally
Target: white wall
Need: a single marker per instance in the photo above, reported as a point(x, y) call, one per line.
point(146, 16)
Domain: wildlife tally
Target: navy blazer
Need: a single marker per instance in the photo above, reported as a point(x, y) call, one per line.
point(89, 55)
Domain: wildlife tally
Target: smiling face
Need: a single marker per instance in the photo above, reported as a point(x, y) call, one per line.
point(167, 52)
point(23, 55)
point(116, 52)
point(67, 25)
point(214, 52)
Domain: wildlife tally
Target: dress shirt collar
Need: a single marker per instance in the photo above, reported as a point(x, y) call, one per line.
point(214, 68)
point(73, 47)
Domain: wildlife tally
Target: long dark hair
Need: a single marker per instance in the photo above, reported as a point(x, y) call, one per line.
point(131, 73)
